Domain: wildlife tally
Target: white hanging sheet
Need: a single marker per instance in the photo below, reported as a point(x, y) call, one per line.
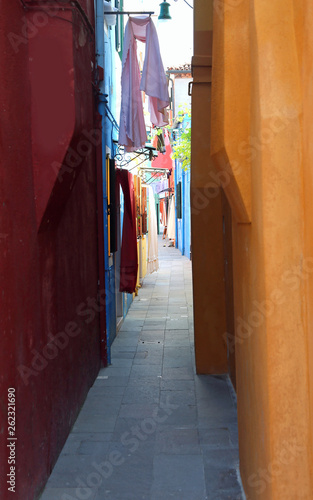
point(153, 259)
point(171, 220)
point(153, 82)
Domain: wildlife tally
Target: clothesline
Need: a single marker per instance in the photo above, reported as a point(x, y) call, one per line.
point(128, 13)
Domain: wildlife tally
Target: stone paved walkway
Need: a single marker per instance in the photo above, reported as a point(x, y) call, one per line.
point(151, 429)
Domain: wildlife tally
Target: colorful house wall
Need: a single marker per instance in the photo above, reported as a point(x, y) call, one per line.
point(50, 327)
point(183, 240)
point(182, 203)
point(109, 51)
point(252, 140)
point(141, 225)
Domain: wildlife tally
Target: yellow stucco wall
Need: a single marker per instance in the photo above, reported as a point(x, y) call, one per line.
point(261, 139)
point(143, 256)
point(142, 259)
point(138, 272)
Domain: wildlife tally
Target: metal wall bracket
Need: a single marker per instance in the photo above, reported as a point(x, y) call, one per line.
point(124, 158)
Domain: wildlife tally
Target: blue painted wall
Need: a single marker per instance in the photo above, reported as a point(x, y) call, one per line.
point(108, 58)
point(186, 211)
point(183, 225)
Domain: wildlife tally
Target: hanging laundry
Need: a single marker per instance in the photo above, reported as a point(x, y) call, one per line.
point(129, 257)
point(171, 220)
point(158, 142)
point(163, 214)
point(153, 82)
point(153, 260)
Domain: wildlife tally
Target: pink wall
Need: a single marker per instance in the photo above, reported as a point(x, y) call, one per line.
point(48, 234)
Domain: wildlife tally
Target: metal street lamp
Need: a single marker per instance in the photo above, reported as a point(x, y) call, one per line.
point(165, 10)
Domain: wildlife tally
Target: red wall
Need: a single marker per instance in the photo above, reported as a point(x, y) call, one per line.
point(48, 234)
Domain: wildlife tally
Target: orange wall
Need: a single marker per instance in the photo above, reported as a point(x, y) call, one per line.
point(206, 212)
point(306, 64)
point(262, 111)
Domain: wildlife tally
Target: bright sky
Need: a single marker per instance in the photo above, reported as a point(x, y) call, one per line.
point(175, 36)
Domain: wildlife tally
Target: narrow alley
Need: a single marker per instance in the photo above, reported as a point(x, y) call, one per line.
point(150, 428)
point(131, 369)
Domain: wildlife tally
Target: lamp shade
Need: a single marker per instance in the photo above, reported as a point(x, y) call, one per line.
point(164, 11)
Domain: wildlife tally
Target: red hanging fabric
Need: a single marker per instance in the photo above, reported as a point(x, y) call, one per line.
point(129, 257)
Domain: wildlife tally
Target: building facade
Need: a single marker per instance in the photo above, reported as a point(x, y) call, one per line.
point(251, 192)
point(182, 196)
point(52, 306)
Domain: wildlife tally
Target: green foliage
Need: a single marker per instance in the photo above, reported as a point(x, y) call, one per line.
point(182, 145)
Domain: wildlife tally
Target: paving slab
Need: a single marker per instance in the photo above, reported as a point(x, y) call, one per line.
point(184, 361)
point(146, 370)
point(147, 380)
point(68, 494)
point(177, 385)
point(133, 432)
point(176, 342)
point(179, 474)
point(138, 410)
point(178, 373)
point(177, 441)
point(186, 397)
point(152, 335)
point(111, 382)
point(141, 394)
point(123, 354)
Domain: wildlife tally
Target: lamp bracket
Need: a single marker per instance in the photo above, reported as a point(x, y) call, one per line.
point(124, 158)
